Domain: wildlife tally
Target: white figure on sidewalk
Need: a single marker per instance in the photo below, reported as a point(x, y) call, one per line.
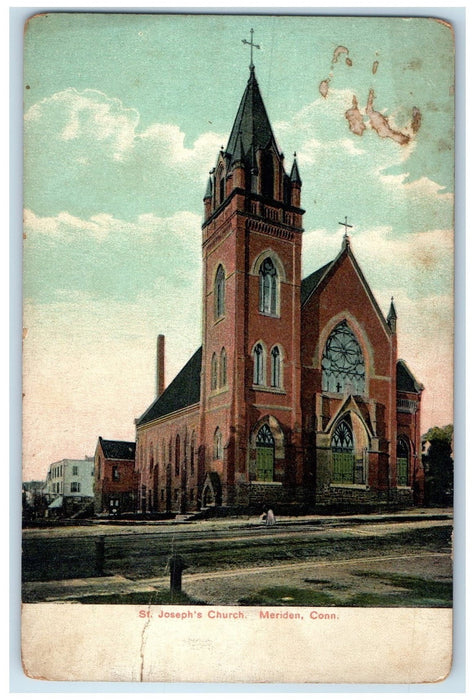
point(270, 519)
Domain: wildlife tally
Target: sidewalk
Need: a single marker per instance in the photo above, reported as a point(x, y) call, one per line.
point(111, 527)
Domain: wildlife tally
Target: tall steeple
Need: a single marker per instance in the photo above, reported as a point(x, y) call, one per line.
point(251, 125)
point(252, 163)
point(252, 249)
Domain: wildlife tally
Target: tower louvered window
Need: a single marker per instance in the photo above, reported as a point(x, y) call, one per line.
point(219, 288)
point(268, 281)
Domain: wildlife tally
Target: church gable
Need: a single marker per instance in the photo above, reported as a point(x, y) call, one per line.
point(339, 292)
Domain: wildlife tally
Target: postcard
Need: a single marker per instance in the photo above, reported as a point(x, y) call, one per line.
point(238, 348)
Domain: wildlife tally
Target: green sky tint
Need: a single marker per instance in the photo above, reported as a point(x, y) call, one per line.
point(124, 116)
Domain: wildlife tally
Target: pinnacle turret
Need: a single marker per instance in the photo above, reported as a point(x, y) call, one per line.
point(392, 316)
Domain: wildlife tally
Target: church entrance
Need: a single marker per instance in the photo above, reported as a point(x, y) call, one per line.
point(265, 448)
point(349, 452)
point(343, 456)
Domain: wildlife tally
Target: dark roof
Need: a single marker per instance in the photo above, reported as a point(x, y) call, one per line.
point(405, 380)
point(183, 391)
point(251, 129)
point(117, 449)
point(311, 282)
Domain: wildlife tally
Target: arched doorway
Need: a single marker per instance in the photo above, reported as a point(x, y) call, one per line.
point(265, 454)
point(402, 461)
point(211, 492)
point(343, 454)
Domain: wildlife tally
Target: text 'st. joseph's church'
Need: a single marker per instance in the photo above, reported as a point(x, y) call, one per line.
point(296, 398)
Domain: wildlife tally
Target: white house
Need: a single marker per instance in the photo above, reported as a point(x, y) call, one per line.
point(70, 484)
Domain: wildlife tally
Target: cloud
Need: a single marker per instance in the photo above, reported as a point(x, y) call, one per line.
point(85, 152)
point(421, 263)
point(108, 257)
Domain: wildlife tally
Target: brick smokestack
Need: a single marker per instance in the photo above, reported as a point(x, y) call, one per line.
point(160, 365)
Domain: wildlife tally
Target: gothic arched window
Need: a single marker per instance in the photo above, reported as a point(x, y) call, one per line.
point(214, 372)
point(343, 368)
point(259, 358)
point(219, 283)
point(276, 367)
point(268, 287)
point(223, 368)
point(218, 444)
point(402, 462)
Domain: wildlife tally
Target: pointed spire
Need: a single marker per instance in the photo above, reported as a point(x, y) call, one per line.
point(251, 126)
point(392, 316)
point(392, 310)
point(294, 173)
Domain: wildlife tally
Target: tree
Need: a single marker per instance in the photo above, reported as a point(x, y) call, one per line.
point(438, 466)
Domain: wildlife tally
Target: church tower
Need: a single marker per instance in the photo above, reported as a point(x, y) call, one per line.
point(250, 420)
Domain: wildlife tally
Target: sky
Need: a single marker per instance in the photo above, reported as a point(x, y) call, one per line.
point(124, 117)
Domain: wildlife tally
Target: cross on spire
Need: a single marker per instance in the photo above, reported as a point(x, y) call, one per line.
point(252, 45)
point(346, 225)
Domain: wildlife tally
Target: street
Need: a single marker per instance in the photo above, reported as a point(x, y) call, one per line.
point(341, 561)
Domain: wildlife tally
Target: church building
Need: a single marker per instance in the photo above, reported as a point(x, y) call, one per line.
point(296, 398)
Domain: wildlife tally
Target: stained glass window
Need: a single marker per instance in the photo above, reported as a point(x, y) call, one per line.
point(218, 444)
point(265, 437)
point(343, 368)
point(258, 365)
point(214, 372)
point(275, 367)
point(402, 462)
point(223, 368)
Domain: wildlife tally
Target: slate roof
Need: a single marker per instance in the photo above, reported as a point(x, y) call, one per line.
point(183, 391)
point(117, 449)
point(311, 282)
point(405, 380)
point(251, 128)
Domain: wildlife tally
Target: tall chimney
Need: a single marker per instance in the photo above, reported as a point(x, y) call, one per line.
point(160, 365)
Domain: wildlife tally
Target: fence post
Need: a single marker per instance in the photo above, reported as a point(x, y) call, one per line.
point(100, 555)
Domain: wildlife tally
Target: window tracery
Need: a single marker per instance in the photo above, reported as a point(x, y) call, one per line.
point(343, 369)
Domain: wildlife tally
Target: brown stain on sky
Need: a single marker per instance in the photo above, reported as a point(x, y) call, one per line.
point(355, 118)
point(381, 125)
point(337, 52)
point(377, 121)
point(324, 85)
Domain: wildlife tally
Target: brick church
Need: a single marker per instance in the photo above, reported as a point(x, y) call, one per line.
point(296, 398)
